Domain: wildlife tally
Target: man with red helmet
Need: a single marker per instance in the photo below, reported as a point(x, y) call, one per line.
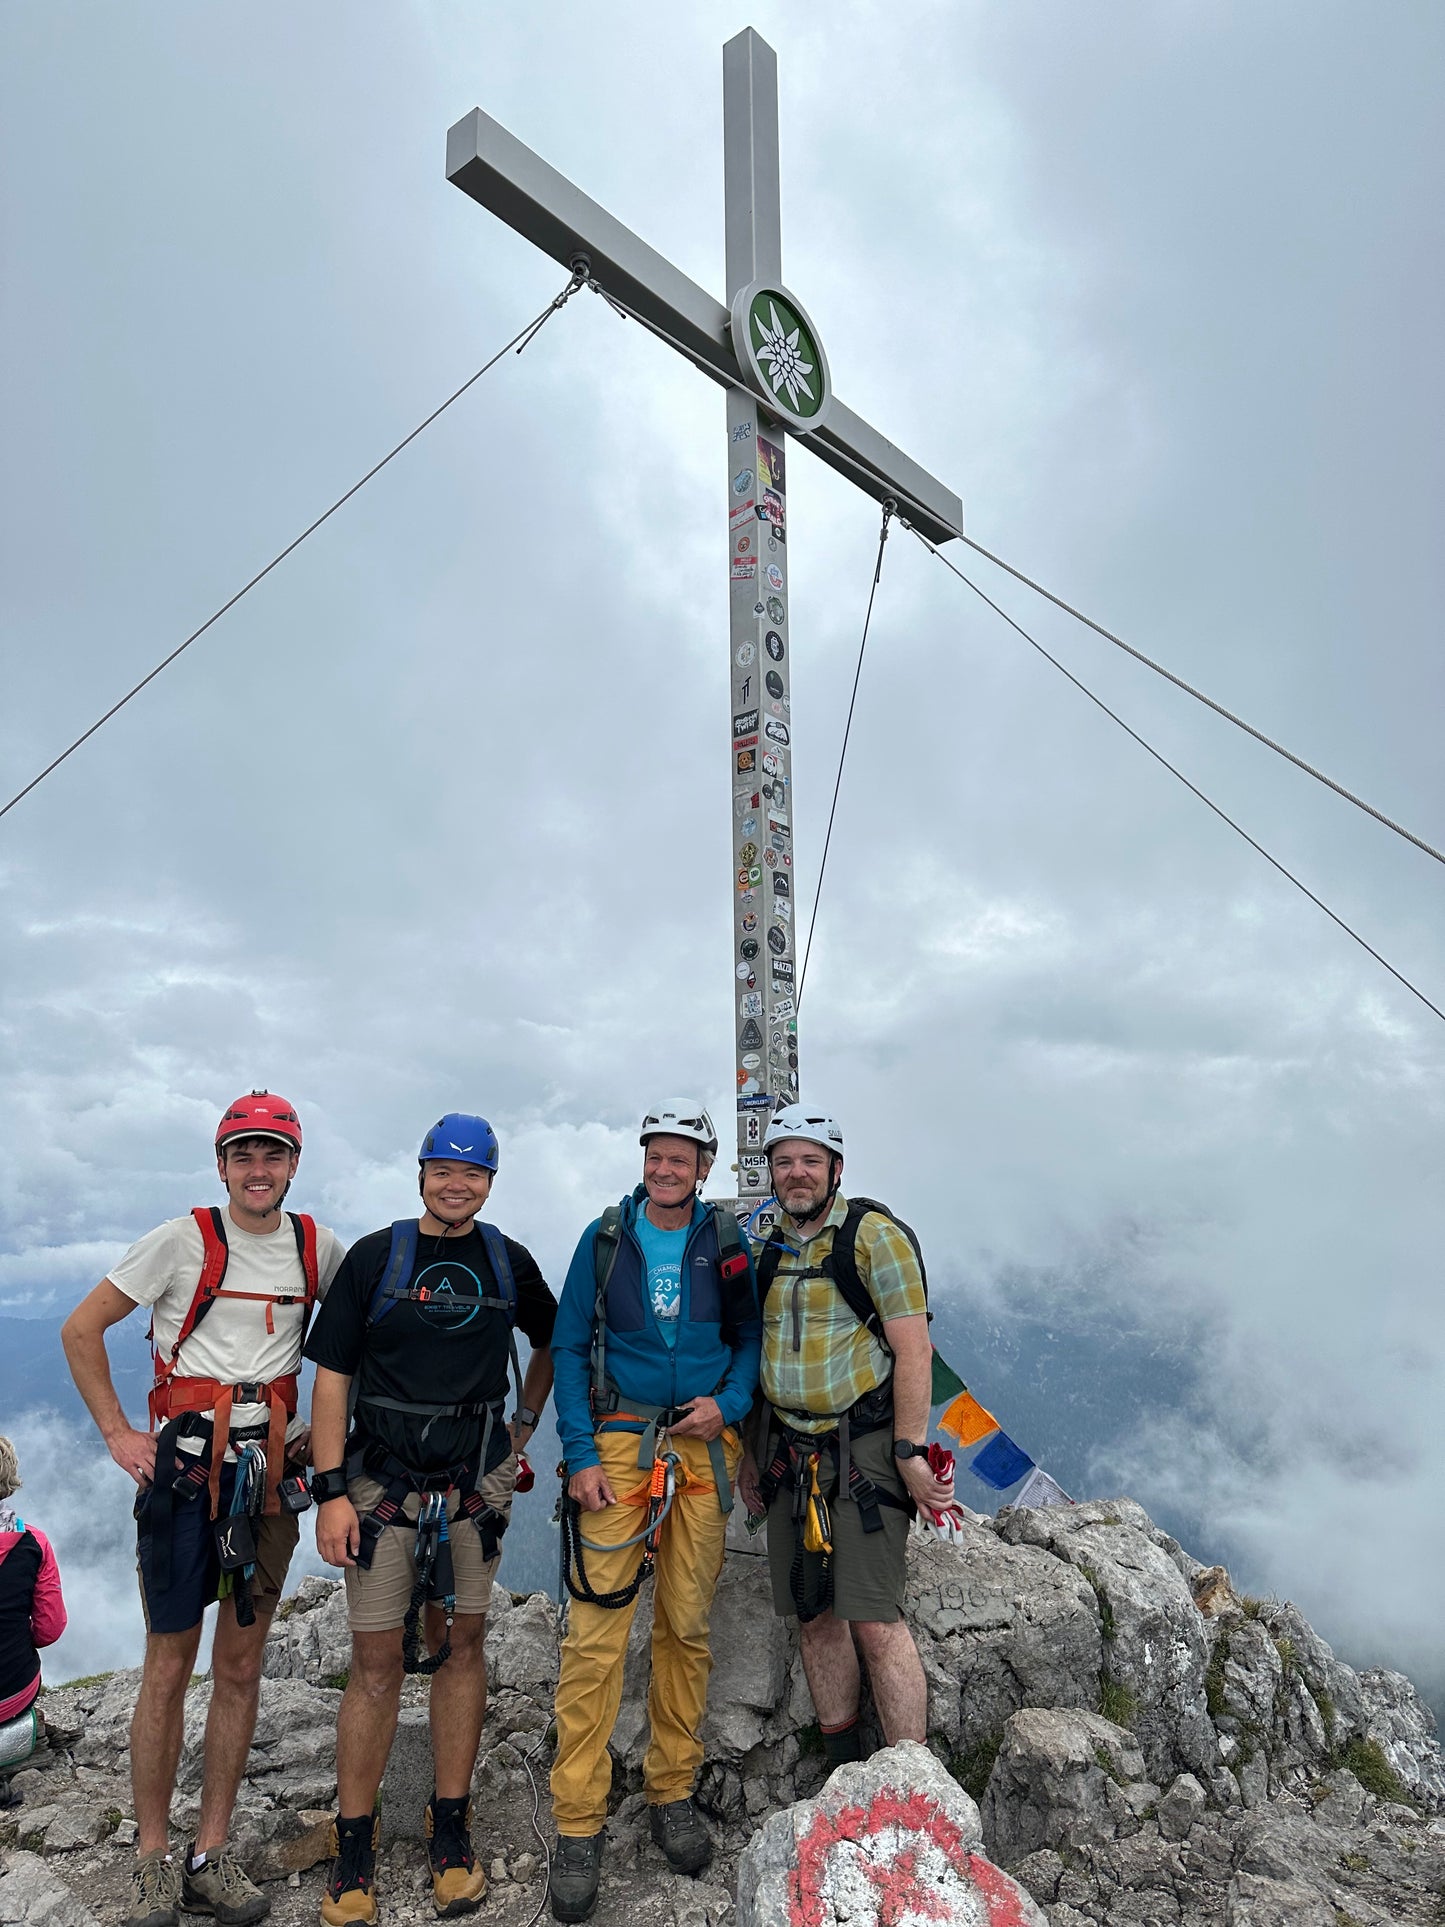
point(230, 1293)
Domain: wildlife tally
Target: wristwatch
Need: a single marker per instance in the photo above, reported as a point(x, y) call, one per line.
point(524, 1415)
point(906, 1449)
point(328, 1485)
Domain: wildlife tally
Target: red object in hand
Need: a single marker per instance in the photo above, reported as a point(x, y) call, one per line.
point(940, 1463)
point(526, 1477)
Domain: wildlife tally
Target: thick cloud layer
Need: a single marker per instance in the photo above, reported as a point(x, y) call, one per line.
point(438, 816)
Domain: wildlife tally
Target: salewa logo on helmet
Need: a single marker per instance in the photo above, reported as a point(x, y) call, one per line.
point(459, 1147)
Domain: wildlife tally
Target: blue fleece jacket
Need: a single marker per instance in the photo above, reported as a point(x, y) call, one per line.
point(719, 1333)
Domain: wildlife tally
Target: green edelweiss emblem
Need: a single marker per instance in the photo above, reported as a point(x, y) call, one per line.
point(780, 354)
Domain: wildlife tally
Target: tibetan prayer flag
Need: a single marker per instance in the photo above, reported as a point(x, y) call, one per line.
point(946, 1381)
point(1001, 1463)
point(1038, 1489)
point(967, 1420)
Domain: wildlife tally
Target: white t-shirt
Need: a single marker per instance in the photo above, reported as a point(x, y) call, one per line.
point(231, 1344)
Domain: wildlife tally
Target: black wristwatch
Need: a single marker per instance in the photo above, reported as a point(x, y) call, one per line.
point(524, 1415)
point(328, 1485)
point(906, 1449)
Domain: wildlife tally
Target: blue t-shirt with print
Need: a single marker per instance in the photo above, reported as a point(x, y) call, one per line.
point(663, 1251)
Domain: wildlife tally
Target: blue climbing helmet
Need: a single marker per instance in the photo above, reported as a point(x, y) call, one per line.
point(461, 1137)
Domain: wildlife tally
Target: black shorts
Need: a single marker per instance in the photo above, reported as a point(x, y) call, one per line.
point(195, 1570)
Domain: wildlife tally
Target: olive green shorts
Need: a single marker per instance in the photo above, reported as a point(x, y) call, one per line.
point(869, 1568)
point(377, 1599)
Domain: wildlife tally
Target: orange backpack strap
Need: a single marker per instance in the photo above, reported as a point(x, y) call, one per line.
point(215, 1254)
point(304, 1228)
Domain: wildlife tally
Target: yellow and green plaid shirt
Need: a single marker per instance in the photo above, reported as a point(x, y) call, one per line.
point(817, 1358)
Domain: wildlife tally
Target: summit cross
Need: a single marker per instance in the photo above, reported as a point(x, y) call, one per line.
point(765, 350)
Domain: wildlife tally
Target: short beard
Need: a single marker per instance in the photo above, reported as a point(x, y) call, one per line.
point(816, 1203)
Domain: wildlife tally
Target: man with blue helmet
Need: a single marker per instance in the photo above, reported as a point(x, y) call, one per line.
point(417, 1467)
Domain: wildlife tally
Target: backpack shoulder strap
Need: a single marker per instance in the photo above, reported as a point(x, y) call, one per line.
point(212, 1227)
point(501, 1258)
point(304, 1230)
point(732, 1258)
point(768, 1263)
point(606, 1243)
point(842, 1262)
point(398, 1268)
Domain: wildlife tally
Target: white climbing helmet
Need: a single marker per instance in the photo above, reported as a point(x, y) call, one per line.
point(815, 1127)
point(680, 1117)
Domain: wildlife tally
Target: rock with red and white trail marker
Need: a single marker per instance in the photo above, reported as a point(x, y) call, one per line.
point(893, 1839)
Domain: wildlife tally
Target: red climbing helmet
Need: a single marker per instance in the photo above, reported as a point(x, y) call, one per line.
point(260, 1114)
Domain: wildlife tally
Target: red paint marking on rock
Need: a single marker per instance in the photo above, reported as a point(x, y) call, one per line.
point(999, 1891)
point(899, 1887)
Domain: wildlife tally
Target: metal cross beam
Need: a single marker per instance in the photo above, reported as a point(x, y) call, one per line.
point(764, 349)
point(518, 186)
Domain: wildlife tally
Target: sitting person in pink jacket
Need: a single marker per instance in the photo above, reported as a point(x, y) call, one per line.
point(32, 1615)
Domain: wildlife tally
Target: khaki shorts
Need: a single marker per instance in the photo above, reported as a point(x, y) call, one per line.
point(869, 1568)
point(377, 1599)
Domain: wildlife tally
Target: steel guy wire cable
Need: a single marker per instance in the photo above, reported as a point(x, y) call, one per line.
point(523, 338)
point(1194, 788)
point(838, 456)
point(843, 751)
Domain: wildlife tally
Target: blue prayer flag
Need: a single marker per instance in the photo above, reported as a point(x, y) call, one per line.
point(1000, 1463)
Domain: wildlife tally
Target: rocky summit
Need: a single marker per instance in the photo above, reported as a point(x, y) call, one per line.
point(1114, 1737)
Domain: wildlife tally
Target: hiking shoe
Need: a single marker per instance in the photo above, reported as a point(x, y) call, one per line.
point(155, 1890)
point(222, 1888)
point(678, 1829)
point(457, 1882)
point(350, 1894)
point(576, 1870)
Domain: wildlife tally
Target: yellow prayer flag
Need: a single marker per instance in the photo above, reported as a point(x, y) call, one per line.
point(967, 1420)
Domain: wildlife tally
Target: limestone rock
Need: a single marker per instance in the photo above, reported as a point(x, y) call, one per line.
point(1056, 1781)
point(521, 1646)
point(1156, 1650)
point(1397, 1717)
point(880, 1832)
point(1181, 1806)
point(32, 1895)
point(310, 1638)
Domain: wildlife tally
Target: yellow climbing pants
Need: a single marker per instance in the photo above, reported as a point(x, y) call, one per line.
point(689, 1559)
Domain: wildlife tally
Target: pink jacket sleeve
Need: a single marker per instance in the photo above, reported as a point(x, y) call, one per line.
point(47, 1609)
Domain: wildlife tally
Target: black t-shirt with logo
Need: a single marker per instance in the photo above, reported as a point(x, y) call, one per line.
point(440, 1349)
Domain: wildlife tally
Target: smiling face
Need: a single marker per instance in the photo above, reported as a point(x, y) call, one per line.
point(672, 1169)
point(801, 1177)
point(453, 1192)
point(256, 1172)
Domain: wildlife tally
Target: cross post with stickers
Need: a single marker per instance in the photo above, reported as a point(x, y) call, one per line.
point(766, 352)
point(765, 956)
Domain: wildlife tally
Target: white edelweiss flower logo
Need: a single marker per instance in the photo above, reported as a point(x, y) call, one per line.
point(785, 366)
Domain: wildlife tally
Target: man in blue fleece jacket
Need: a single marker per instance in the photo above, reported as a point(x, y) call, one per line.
point(678, 1364)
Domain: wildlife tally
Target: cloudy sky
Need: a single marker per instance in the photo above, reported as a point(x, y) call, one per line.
point(439, 815)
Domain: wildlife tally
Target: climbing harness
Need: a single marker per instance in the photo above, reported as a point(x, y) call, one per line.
point(177, 1396)
point(796, 1464)
point(435, 1581)
point(235, 1534)
point(660, 1490)
point(434, 1574)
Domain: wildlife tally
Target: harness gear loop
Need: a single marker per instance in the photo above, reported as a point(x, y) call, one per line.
point(661, 1491)
point(434, 1581)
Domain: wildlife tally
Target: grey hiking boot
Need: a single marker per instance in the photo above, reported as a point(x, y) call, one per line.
point(678, 1829)
point(576, 1870)
point(155, 1891)
point(223, 1889)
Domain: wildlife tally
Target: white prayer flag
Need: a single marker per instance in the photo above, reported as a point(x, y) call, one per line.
point(1038, 1489)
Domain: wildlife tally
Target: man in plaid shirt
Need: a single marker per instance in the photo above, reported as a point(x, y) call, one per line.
point(846, 1460)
